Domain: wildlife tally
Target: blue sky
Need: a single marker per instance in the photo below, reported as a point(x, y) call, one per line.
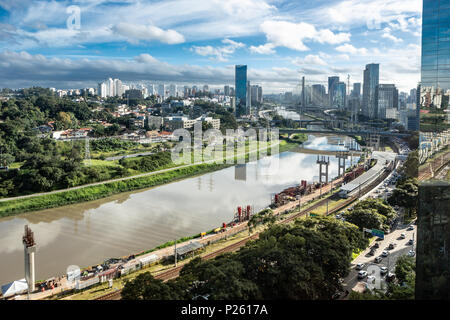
point(199, 42)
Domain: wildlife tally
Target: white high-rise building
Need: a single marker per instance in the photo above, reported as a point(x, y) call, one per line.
point(162, 90)
point(118, 88)
point(173, 90)
point(102, 90)
point(110, 88)
point(151, 89)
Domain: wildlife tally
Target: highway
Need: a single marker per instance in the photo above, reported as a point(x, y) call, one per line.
point(402, 248)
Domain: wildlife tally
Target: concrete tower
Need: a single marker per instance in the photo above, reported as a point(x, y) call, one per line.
point(29, 248)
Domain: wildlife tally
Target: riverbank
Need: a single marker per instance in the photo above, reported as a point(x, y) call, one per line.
point(106, 189)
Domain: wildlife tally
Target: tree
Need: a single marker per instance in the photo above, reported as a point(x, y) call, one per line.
point(305, 260)
point(406, 195)
point(380, 206)
point(365, 218)
point(65, 119)
point(146, 287)
point(411, 165)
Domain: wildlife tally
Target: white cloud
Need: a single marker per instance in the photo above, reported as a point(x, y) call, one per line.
point(309, 60)
point(348, 48)
point(369, 13)
point(293, 35)
point(220, 53)
point(133, 32)
point(263, 49)
point(389, 36)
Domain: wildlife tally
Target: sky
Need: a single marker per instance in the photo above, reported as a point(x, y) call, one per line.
point(77, 44)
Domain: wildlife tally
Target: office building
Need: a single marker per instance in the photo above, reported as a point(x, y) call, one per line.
point(340, 95)
point(226, 90)
point(318, 94)
point(248, 103)
point(435, 73)
point(371, 81)
point(356, 92)
point(162, 91)
point(332, 83)
point(241, 84)
point(173, 90)
point(387, 99)
point(433, 243)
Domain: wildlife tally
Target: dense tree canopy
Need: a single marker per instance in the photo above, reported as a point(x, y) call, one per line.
point(305, 260)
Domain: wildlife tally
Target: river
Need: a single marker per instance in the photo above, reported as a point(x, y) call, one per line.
point(88, 233)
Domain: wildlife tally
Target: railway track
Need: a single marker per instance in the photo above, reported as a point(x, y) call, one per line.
point(174, 272)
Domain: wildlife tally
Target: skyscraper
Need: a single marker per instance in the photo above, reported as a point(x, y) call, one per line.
point(340, 94)
point(371, 80)
point(162, 91)
point(226, 90)
point(318, 95)
point(241, 84)
point(173, 90)
point(356, 92)
point(332, 83)
point(248, 103)
point(387, 99)
point(435, 79)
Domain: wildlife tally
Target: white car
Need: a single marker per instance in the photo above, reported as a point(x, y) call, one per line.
point(362, 274)
point(359, 266)
point(403, 236)
point(383, 270)
point(411, 253)
point(371, 279)
point(385, 253)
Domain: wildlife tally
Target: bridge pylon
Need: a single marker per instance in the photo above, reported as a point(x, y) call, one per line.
point(322, 161)
point(341, 156)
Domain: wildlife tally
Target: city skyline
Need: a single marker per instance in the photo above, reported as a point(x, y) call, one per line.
point(279, 41)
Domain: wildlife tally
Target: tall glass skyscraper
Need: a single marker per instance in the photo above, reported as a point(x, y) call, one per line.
point(340, 95)
point(435, 82)
point(332, 83)
point(241, 84)
point(371, 79)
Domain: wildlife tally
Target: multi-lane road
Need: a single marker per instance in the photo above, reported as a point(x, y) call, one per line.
point(402, 248)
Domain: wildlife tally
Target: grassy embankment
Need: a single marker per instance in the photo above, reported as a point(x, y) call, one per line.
point(88, 193)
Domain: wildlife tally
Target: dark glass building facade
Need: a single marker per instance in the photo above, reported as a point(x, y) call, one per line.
point(435, 81)
point(433, 243)
point(332, 84)
point(241, 84)
point(370, 99)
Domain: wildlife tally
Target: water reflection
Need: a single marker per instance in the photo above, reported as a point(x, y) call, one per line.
point(86, 234)
point(330, 143)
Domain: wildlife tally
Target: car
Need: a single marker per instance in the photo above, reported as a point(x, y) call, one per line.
point(362, 274)
point(392, 245)
point(385, 253)
point(403, 236)
point(390, 277)
point(383, 270)
point(359, 266)
point(376, 245)
point(411, 253)
point(371, 252)
point(411, 241)
point(411, 227)
point(378, 259)
point(371, 279)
